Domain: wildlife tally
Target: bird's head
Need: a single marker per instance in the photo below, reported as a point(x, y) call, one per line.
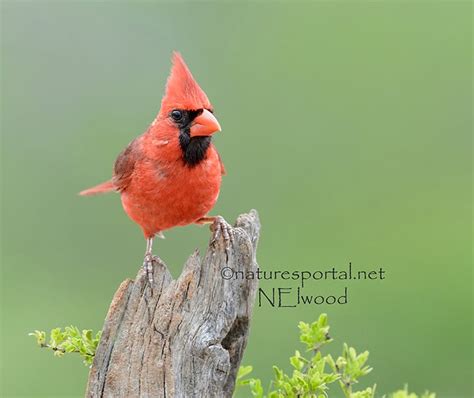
point(185, 105)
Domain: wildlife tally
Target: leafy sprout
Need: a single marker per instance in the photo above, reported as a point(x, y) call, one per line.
point(312, 376)
point(71, 339)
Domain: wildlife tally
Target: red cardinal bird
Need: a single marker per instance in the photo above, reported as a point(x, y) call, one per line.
point(171, 174)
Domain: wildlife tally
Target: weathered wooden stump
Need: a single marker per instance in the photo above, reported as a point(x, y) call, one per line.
point(185, 337)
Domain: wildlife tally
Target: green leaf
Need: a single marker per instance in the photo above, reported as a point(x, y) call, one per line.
point(278, 373)
point(256, 388)
point(244, 371)
point(40, 337)
point(297, 361)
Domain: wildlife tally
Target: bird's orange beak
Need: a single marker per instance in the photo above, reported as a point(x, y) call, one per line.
point(205, 124)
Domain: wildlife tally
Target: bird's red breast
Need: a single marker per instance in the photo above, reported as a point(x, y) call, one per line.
point(163, 192)
point(171, 175)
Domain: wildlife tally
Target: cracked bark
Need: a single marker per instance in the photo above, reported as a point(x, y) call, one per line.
point(185, 337)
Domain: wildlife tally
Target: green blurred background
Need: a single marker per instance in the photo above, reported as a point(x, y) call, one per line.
point(346, 124)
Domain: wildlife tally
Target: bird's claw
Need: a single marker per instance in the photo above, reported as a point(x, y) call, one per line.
point(148, 267)
point(220, 227)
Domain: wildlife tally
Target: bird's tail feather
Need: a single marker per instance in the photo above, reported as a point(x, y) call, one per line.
point(107, 186)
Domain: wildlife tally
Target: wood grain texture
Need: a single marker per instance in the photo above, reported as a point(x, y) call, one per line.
point(184, 337)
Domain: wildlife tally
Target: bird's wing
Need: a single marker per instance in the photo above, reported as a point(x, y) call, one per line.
point(125, 165)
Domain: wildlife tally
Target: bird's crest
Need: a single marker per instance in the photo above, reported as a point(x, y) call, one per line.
point(182, 91)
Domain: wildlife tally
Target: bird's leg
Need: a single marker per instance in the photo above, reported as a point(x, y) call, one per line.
point(218, 226)
point(148, 260)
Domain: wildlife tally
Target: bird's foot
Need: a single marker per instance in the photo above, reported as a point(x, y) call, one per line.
point(148, 262)
point(220, 227)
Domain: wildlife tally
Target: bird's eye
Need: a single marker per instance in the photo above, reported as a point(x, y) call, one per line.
point(176, 115)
